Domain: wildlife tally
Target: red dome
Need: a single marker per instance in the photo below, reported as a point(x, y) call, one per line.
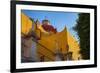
point(49, 28)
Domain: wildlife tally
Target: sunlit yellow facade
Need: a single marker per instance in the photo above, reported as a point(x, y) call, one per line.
point(63, 39)
point(50, 42)
point(26, 23)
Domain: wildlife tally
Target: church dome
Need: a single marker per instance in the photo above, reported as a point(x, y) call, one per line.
point(46, 26)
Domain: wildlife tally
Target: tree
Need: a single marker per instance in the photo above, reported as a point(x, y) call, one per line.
point(83, 29)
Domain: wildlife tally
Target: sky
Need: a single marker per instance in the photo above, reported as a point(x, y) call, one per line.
point(57, 19)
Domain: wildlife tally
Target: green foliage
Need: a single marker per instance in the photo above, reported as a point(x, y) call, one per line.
point(83, 29)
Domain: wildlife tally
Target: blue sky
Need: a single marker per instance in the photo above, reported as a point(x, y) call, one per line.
point(57, 19)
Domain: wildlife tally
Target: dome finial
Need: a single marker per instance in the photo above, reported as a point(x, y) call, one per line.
point(45, 18)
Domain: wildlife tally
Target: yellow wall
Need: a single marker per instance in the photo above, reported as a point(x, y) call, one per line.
point(73, 46)
point(63, 38)
point(26, 24)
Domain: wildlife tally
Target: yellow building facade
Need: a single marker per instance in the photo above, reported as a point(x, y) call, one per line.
point(59, 46)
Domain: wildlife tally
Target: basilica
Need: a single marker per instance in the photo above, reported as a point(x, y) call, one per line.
point(41, 42)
